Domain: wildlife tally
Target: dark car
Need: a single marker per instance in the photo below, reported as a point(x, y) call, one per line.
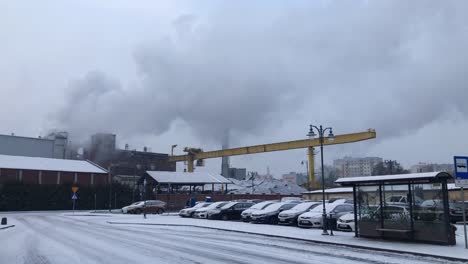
point(431, 210)
point(269, 215)
point(150, 206)
point(230, 211)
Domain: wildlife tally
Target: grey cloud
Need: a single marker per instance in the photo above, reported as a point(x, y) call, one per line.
point(363, 64)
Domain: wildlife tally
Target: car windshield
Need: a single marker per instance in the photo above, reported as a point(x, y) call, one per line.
point(261, 205)
point(215, 205)
point(302, 206)
point(328, 207)
point(228, 205)
point(199, 205)
point(274, 207)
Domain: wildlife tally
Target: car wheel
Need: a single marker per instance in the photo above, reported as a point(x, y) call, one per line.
point(273, 220)
point(138, 211)
point(225, 217)
point(160, 211)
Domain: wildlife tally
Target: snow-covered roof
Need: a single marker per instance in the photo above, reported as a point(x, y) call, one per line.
point(48, 164)
point(332, 190)
point(393, 178)
point(174, 177)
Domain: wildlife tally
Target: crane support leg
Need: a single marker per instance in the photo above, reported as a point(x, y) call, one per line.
point(190, 164)
point(311, 175)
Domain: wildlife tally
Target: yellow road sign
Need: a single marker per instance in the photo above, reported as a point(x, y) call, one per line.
point(75, 189)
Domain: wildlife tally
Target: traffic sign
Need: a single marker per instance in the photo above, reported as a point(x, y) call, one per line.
point(74, 197)
point(75, 189)
point(461, 171)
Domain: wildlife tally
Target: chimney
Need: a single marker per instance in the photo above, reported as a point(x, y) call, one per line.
point(145, 149)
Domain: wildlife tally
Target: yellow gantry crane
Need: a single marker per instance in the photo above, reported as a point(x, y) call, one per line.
point(198, 155)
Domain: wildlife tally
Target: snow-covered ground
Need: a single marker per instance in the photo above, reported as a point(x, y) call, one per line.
point(89, 238)
point(345, 238)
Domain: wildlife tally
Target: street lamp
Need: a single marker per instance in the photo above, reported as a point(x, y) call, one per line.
point(172, 149)
point(321, 132)
point(308, 174)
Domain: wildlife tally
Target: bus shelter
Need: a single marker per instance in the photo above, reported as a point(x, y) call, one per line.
point(411, 207)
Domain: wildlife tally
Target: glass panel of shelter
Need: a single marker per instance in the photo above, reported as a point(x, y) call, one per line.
point(429, 214)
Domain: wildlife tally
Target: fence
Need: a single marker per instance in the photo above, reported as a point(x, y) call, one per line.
point(176, 201)
point(26, 197)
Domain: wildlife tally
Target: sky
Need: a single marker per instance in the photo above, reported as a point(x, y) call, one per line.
point(158, 73)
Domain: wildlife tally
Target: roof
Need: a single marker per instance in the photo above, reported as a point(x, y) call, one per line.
point(48, 164)
point(174, 177)
point(332, 190)
point(393, 178)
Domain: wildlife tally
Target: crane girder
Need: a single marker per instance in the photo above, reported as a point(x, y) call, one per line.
point(296, 144)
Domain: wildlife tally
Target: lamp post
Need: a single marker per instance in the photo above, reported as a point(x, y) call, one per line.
point(172, 149)
point(308, 174)
point(144, 197)
point(321, 131)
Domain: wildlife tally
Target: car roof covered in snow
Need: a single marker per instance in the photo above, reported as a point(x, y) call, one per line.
point(48, 164)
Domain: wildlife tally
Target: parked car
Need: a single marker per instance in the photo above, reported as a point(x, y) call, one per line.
point(203, 212)
point(230, 211)
point(402, 200)
point(431, 210)
point(151, 207)
point(188, 212)
point(289, 217)
point(269, 215)
point(390, 212)
point(245, 215)
point(346, 222)
point(314, 218)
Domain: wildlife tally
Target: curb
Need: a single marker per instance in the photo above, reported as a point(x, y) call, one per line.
point(304, 240)
point(5, 227)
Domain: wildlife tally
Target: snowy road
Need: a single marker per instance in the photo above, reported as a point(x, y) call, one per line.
point(42, 238)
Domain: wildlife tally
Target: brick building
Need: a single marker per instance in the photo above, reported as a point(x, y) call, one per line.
point(34, 170)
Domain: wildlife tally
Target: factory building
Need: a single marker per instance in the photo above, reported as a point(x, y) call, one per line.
point(53, 145)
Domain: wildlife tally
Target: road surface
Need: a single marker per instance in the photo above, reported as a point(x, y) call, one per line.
point(42, 238)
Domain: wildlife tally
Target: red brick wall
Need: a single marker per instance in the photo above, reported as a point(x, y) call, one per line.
point(100, 178)
point(49, 177)
point(84, 179)
point(177, 201)
point(67, 177)
point(30, 177)
point(8, 175)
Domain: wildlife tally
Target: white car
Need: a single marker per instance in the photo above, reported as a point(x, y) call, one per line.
point(346, 223)
point(188, 212)
point(245, 216)
point(314, 218)
point(203, 212)
point(289, 217)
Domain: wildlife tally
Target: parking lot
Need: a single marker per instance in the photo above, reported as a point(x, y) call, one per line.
point(86, 237)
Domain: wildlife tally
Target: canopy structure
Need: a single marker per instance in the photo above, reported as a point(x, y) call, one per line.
point(187, 178)
point(402, 178)
point(173, 179)
point(407, 206)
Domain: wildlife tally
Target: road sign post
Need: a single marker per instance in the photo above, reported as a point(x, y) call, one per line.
point(74, 196)
point(461, 180)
